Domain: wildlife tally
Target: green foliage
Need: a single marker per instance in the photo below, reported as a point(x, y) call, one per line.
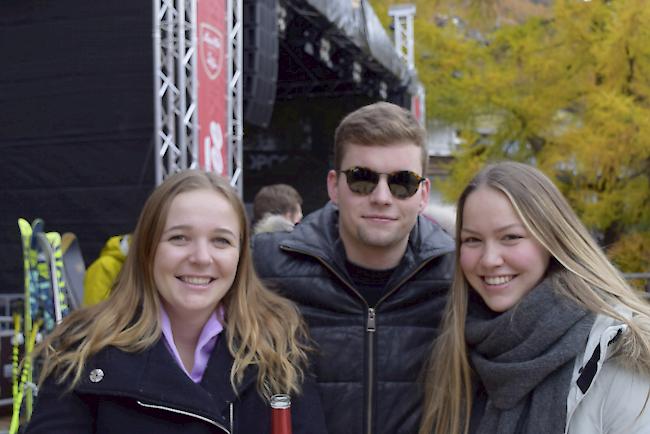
point(567, 90)
point(632, 253)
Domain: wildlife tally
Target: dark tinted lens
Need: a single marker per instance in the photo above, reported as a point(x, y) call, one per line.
point(403, 184)
point(361, 180)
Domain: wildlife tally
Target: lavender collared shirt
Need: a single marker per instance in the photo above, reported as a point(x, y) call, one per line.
point(204, 346)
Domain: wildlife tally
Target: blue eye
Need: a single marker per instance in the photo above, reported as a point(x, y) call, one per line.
point(221, 241)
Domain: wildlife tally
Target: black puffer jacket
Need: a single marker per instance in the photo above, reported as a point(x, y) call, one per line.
point(369, 358)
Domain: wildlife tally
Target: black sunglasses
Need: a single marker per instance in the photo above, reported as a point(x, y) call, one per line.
point(402, 184)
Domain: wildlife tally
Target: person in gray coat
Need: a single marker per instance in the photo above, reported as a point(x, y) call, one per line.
point(541, 334)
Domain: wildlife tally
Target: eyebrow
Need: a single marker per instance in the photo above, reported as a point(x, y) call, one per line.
point(500, 229)
point(188, 227)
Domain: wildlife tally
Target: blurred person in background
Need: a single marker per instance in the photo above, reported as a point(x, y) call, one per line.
point(276, 207)
point(102, 273)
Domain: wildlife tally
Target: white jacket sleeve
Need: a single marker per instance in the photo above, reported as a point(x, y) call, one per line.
point(616, 403)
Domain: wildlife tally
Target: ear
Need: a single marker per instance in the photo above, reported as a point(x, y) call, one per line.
point(332, 186)
point(423, 194)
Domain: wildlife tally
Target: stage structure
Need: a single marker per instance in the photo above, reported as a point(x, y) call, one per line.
point(403, 16)
point(403, 32)
point(197, 46)
point(102, 101)
point(333, 57)
point(204, 70)
point(338, 48)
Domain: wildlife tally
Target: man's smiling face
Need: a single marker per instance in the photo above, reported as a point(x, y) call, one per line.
point(377, 223)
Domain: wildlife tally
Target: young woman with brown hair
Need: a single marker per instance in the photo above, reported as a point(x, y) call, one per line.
point(189, 341)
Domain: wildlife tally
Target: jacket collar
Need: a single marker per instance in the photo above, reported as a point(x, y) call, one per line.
point(153, 377)
point(318, 235)
point(605, 331)
point(603, 334)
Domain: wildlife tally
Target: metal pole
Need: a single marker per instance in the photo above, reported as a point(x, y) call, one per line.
point(167, 152)
point(182, 84)
point(235, 93)
point(157, 82)
point(193, 110)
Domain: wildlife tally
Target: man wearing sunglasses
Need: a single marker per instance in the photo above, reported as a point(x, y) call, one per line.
point(368, 273)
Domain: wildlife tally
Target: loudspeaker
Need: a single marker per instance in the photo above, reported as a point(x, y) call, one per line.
point(260, 60)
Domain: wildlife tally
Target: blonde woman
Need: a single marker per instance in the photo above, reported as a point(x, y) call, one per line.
point(541, 334)
point(189, 340)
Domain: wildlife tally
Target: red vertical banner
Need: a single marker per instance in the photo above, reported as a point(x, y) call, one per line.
point(417, 105)
point(212, 38)
point(416, 108)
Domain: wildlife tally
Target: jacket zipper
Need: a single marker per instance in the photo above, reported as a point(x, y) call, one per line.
point(232, 418)
point(186, 413)
point(370, 329)
point(371, 323)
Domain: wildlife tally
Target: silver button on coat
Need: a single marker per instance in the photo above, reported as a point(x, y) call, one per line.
point(96, 375)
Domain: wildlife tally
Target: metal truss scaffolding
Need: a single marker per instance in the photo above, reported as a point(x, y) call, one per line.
point(176, 120)
point(175, 102)
point(403, 21)
point(235, 133)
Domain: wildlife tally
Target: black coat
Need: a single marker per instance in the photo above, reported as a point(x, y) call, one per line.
point(370, 358)
point(148, 392)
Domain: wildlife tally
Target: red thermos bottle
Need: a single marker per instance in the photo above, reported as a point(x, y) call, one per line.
point(280, 414)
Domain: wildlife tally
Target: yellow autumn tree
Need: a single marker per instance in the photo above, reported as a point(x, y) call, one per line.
point(565, 87)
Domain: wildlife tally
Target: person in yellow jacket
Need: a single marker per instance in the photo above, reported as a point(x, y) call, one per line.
point(102, 273)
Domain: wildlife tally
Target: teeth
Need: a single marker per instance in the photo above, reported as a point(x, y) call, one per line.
point(497, 280)
point(196, 280)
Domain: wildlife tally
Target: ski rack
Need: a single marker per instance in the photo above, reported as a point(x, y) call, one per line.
point(6, 334)
point(45, 303)
point(175, 78)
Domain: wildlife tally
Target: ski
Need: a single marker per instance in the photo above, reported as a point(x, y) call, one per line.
point(30, 308)
point(26, 238)
point(43, 303)
point(74, 269)
point(51, 245)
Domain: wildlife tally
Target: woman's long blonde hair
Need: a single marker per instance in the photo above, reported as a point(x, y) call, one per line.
point(262, 328)
point(579, 270)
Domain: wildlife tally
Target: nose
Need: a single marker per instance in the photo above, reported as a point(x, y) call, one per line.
point(491, 256)
point(200, 252)
point(381, 194)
